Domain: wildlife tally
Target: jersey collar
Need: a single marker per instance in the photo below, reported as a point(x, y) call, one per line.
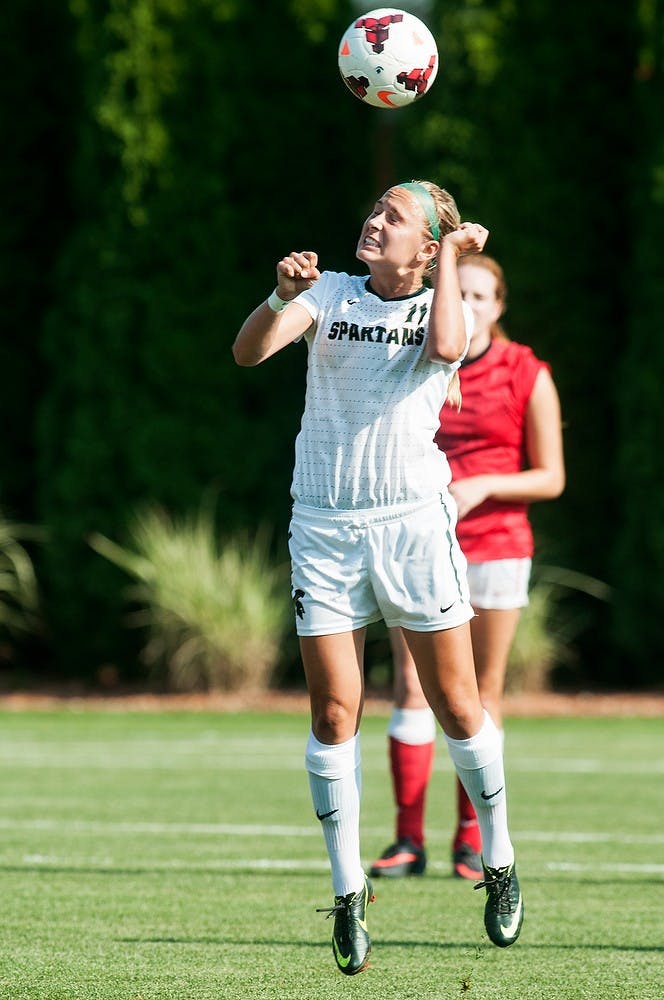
point(399, 298)
point(478, 357)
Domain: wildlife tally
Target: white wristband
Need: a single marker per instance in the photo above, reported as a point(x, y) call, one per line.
point(276, 303)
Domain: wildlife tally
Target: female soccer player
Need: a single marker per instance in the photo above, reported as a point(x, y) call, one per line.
point(505, 450)
point(372, 529)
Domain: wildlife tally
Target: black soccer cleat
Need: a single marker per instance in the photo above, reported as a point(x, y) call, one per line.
point(503, 910)
point(399, 860)
point(466, 863)
point(351, 943)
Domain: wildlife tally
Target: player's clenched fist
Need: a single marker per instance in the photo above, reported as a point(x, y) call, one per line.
point(469, 237)
point(297, 272)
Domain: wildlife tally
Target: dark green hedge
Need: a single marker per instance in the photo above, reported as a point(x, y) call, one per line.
point(38, 109)
point(637, 548)
point(166, 155)
point(172, 250)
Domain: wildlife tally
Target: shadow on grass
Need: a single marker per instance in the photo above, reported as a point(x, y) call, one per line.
point(383, 943)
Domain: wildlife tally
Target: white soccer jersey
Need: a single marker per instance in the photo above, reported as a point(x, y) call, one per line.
point(372, 399)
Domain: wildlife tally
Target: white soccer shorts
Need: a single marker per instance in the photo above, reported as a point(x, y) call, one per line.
point(500, 584)
point(402, 564)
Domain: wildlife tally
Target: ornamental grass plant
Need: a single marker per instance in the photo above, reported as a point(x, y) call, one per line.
point(546, 630)
point(19, 592)
point(215, 611)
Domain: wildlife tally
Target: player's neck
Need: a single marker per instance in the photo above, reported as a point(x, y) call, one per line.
point(393, 285)
point(479, 344)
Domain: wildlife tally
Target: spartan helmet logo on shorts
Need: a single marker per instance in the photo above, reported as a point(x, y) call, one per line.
point(297, 601)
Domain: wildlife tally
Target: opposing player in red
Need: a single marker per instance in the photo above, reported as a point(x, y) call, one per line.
point(505, 451)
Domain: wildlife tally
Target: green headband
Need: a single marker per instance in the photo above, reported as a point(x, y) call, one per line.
point(427, 204)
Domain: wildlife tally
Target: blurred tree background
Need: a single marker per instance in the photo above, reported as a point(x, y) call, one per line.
point(161, 155)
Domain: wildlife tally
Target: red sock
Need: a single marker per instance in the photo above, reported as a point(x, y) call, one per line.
point(468, 830)
point(411, 770)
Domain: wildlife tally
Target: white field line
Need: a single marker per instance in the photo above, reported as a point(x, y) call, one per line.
point(220, 757)
point(184, 864)
point(292, 864)
point(120, 828)
point(618, 866)
point(162, 829)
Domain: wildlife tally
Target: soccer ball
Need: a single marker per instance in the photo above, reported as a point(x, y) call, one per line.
point(388, 58)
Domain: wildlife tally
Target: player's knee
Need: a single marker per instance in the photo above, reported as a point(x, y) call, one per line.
point(460, 716)
point(333, 721)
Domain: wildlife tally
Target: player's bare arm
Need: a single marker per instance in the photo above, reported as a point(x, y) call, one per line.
point(447, 328)
point(278, 321)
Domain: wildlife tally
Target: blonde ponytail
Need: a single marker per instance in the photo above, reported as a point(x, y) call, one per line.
point(454, 391)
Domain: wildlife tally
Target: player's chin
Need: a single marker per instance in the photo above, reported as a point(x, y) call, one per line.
point(365, 253)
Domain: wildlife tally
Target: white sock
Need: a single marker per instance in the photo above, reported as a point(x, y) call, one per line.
point(335, 782)
point(479, 764)
point(414, 726)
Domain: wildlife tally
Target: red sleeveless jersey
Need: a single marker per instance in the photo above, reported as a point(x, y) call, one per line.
point(488, 436)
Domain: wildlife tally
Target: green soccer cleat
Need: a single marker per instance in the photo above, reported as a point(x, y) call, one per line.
point(351, 943)
point(503, 910)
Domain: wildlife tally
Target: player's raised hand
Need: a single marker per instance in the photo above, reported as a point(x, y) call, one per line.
point(469, 237)
point(297, 272)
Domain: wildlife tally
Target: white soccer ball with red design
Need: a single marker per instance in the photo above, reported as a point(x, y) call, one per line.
point(388, 58)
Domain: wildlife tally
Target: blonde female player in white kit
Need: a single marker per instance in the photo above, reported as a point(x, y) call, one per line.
point(372, 532)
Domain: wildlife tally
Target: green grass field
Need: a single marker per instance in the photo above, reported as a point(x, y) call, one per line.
point(174, 857)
